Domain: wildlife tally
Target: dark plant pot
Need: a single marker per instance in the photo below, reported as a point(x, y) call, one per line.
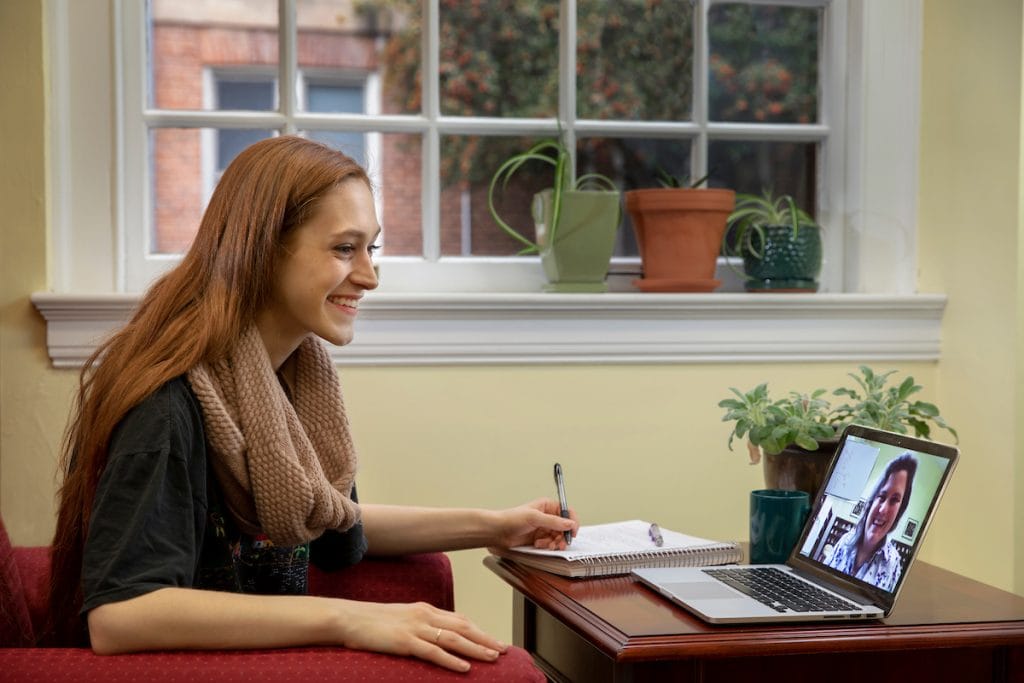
point(794, 469)
point(787, 263)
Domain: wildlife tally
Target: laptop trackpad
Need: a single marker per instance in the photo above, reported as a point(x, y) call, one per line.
point(700, 590)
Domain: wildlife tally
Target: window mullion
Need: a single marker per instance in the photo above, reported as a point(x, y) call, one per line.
point(133, 182)
point(764, 132)
point(431, 158)
point(288, 39)
point(699, 101)
point(167, 118)
point(831, 200)
point(567, 79)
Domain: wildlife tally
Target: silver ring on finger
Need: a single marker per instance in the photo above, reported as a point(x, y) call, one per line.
point(437, 636)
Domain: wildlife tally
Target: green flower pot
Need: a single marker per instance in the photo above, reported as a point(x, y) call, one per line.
point(787, 262)
point(577, 260)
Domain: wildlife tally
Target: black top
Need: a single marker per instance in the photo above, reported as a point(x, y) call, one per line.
point(159, 518)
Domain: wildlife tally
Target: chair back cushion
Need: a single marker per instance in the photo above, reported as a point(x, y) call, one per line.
point(15, 623)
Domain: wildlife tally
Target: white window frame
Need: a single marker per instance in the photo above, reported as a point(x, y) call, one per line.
point(435, 272)
point(369, 83)
point(212, 76)
point(874, 309)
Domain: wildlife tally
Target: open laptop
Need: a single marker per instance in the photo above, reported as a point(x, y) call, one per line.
point(862, 498)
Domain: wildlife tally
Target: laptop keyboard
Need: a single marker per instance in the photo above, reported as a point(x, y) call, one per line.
point(780, 590)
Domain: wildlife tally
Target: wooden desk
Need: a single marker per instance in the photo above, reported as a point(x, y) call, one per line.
point(945, 628)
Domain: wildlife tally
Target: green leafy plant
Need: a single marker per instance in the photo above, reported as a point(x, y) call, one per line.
point(801, 419)
point(888, 407)
point(755, 212)
point(666, 179)
point(554, 153)
point(804, 420)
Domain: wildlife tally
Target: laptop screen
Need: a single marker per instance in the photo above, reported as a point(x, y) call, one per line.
point(871, 514)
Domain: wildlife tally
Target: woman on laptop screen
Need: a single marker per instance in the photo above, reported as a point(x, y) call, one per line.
point(866, 552)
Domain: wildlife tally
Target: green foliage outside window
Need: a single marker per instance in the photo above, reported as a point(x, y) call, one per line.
point(763, 63)
point(499, 58)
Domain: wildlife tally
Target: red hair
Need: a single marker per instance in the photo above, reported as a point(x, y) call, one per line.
point(192, 314)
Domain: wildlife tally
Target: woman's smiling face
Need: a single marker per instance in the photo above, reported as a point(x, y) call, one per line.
point(324, 269)
point(884, 508)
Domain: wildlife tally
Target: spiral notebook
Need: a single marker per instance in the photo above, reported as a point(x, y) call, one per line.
point(620, 547)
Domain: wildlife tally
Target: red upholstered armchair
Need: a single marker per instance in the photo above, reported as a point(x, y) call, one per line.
point(24, 573)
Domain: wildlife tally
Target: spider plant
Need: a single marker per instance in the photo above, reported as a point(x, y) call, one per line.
point(753, 213)
point(552, 152)
point(667, 180)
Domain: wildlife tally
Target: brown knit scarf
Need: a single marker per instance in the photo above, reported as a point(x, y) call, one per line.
point(286, 469)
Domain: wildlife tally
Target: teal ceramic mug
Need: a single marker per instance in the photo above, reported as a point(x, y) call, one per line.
point(776, 520)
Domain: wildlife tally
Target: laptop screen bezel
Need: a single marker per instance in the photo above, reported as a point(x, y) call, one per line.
point(856, 587)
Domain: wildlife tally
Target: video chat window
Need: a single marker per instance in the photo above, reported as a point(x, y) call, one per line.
point(871, 516)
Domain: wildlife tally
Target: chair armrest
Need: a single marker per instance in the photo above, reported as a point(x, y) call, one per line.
point(412, 578)
point(34, 567)
point(293, 664)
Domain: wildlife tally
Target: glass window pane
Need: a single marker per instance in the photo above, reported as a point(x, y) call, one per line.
point(632, 164)
point(398, 25)
point(189, 37)
point(230, 142)
point(763, 63)
point(185, 165)
point(499, 58)
point(467, 164)
point(780, 167)
point(339, 98)
point(395, 171)
point(338, 48)
point(634, 60)
point(351, 143)
point(253, 94)
point(342, 99)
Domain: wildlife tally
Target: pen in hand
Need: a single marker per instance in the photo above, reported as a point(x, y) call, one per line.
point(563, 506)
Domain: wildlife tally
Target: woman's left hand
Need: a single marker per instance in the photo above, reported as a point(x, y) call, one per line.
point(537, 523)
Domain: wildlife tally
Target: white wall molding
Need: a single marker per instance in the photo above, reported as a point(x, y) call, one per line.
point(482, 329)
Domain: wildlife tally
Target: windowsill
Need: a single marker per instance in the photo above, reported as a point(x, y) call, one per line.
point(621, 328)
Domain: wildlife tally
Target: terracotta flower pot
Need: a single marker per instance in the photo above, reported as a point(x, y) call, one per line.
point(679, 232)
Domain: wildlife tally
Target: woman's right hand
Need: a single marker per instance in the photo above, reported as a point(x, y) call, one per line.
point(419, 630)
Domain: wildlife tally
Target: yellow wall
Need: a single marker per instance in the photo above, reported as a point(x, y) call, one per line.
point(33, 398)
point(642, 441)
point(969, 227)
point(1018, 375)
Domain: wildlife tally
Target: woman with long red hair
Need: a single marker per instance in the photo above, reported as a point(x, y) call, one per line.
point(208, 459)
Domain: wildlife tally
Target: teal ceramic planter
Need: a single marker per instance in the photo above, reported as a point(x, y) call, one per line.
point(787, 263)
point(577, 260)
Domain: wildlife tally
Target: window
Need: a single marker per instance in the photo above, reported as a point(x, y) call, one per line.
point(212, 88)
point(327, 96)
point(101, 195)
point(246, 91)
point(253, 94)
point(740, 91)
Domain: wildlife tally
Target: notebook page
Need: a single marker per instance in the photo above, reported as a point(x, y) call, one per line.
point(620, 538)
